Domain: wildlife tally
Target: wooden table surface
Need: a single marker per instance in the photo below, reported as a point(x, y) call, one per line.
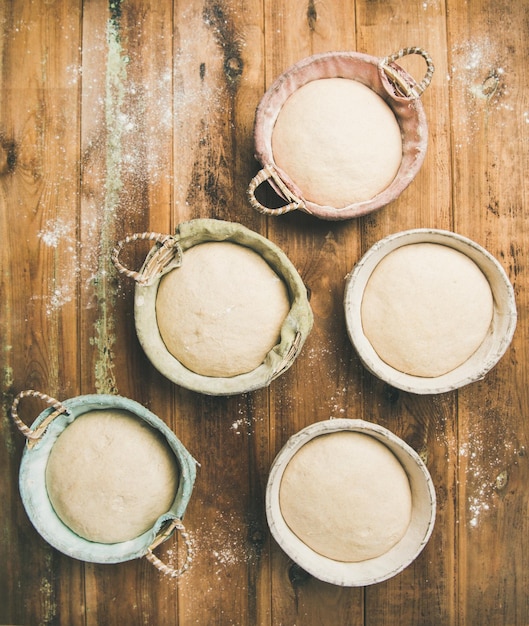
point(124, 116)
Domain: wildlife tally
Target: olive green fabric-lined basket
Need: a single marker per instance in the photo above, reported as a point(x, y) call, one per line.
point(167, 255)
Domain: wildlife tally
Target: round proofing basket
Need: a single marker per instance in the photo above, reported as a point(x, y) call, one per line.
point(370, 571)
point(41, 437)
point(395, 86)
point(484, 358)
point(166, 256)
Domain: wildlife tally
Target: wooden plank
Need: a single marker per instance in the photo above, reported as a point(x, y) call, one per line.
point(325, 380)
point(119, 116)
point(489, 103)
point(428, 424)
point(217, 57)
point(126, 188)
point(39, 129)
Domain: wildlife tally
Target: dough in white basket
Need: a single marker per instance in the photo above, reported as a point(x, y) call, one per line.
point(338, 141)
point(426, 309)
point(346, 496)
point(221, 312)
point(110, 476)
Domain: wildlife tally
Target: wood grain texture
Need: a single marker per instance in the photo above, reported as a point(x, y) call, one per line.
point(428, 425)
point(489, 160)
point(124, 116)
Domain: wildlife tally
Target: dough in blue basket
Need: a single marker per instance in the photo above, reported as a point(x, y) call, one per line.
point(110, 476)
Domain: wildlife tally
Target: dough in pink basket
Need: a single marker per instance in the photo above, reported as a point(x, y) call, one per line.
point(338, 141)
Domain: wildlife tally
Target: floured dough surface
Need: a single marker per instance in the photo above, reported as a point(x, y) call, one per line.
point(338, 141)
point(110, 476)
point(426, 309)
point(346, 496)
point(221, 312)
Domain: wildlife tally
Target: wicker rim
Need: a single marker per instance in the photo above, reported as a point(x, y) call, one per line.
point(169, 256)
point(406, 88)
point(33, 435)
point(165, 569)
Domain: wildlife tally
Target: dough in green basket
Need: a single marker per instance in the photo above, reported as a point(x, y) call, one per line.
point(222, 310)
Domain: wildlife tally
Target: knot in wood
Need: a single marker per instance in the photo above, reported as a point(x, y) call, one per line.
point(233, 67)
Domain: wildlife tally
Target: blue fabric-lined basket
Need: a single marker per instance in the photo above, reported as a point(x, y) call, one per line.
point(42, 436)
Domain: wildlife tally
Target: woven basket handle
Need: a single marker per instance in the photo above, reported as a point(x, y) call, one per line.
point(34, 435)
point(168, 256)
point(268, 172)
point(403, 85)
point(289, 357)
point(168, 570)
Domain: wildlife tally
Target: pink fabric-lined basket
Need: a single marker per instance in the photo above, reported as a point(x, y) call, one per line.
point(398, 89)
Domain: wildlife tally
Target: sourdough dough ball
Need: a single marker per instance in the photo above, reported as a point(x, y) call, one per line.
point(346, 496)
point(110, 476)
point(221, 312)
point(426, 309)
point(338, 141)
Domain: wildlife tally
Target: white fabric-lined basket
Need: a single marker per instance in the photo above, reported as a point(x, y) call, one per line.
point(370, 571)
point(481, 361)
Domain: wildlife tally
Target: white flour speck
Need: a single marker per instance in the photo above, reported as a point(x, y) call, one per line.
point(55, 231)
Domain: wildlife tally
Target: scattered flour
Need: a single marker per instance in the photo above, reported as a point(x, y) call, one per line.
point(219, 546)
point(480, 73)
point(58, 231)
point(486, 460)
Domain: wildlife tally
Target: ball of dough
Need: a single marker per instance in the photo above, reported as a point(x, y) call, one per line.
point(338, 141)
point(346, 496)
point(221, 312)
point(110, 476)
point(426, 309)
